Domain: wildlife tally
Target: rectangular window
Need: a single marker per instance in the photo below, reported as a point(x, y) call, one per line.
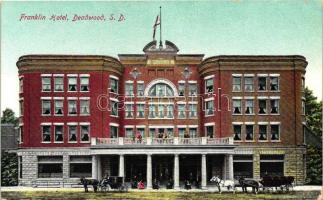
point(193, 132)
point(85, 133)
point(236, 106)
point(46, 107)
point(113, 131)
point(303, 107)
point(59, 84)
point(209, 108)
point(181, 111)
point(192, 87)
point(249, 107)
point(72, 81)
point(262, 132)
point(21, 85)
point(46, 133)
point(129, 89)
point(59, 107)
point(21, 106)
point(161, 111)
point(181, 89)
point(129, 110)
point(114, 108)
point(170, 111)
point(152, 132)
point(152, 111)
point(72, 136)
point(85, 107)
point(59, 133)
point(249, 132)
point(262, 83)
point(181, 132)
point(140, 110)
point(129, 133)
point(274, 106)
point(46, 85)
point(274, 83)
point(262, 106)
point(209, 131)
point(237, 132)
point(170, 132)
point(84, 84)
point(303, 83)
point(50, 166)
point(114, 83)
point(141, 131)
point(209, 88)
point(140, 89)
point(275, 132)
point(80, 166)
point(271, 165)
point(21, 134)
point(72, 109)
point(236, 84)
point(192, 110)
point(248, 84)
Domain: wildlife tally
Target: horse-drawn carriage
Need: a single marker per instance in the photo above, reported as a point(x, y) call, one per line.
point(113, 182)
point(282, 182)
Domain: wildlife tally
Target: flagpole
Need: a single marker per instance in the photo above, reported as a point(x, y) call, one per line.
point(160, 30)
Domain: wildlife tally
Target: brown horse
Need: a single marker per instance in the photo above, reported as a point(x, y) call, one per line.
point(85, 182)
point(249, 183)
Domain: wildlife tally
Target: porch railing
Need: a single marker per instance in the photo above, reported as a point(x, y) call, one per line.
point(161, 141)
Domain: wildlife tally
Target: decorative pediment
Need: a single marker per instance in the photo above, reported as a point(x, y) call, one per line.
point(152, 47)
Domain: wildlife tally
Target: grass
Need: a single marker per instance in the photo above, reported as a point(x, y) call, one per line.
point(142, 195)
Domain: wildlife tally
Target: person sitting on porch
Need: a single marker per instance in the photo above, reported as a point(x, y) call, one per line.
point(134, 182)
point(138, 137)
point(170, 184)
point(160, 136)
point(141, 185)
point(165, 136)
point(156, 184)
point(186, 136)
point(187, 185)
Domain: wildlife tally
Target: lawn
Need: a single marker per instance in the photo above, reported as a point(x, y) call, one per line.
point(154, 195)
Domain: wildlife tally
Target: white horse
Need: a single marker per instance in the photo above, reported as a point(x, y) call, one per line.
point(229, 184)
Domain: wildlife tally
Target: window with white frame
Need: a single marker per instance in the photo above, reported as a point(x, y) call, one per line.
point(303, 107)
point(249, 132)
point(209, 131)
point(21, 85)
point(72, 84)
point(181, 89)
point(46, 107)
point(141, 131)
point(248, 84)
point(46, 84)
point(275, 132)
point(237, 132)
point(170, 111)
point(181, 111)
point(72, 109)
point(170, 132)
point(274, 106)
point(21, 107)
point(140, 110)
point(209, 85)
point(152, 111)
point(85, 133)
point(161, 111)
point(262, 83)
point(85, 107)
point(84, 84)
point(192, 132)
point(262, 132)
point(72, 136)
point(161, 90)
point(46, 133)
point(59, 84)
point(152, 132)
point(274, 83)
point(113, 131)
point(192, 110)
point(181, 132)
point(129, 89)
point(192, 88)
point(303, 83)
point(21, 134)
point(262, 103)
point(59, 107)
point(129, 133)
point(129, 110)
point(236, 106)
point(59, 133)
point(114, 84)
point(236, 84)
point(209, 107)
point(249, 106)
point(114, 108)
point(140, 89)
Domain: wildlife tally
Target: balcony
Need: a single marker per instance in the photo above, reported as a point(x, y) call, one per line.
point(204, 141)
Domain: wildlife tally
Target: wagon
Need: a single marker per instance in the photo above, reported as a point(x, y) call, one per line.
point(113, 183)
point(282, 182)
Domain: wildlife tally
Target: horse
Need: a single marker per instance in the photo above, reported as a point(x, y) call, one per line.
point(249, 183)
point(224, 183)
point(85, 182)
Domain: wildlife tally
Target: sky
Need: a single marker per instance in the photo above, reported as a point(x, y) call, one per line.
point(232, 27)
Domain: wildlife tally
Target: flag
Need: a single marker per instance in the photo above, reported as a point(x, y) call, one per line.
point(157, 23)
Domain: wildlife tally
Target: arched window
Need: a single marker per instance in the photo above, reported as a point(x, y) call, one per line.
point(161, 90)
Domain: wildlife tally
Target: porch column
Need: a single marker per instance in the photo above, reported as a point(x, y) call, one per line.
point(176, 172)
point(230, 166)
point(149, 172)
point(121, 165)
point(203, 166)
point(94, 167)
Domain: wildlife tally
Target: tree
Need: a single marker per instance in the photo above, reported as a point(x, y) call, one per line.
point(8, 117)
point(9, 169)
point(313, 116)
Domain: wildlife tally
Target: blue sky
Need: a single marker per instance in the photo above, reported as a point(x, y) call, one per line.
point(210, 27)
